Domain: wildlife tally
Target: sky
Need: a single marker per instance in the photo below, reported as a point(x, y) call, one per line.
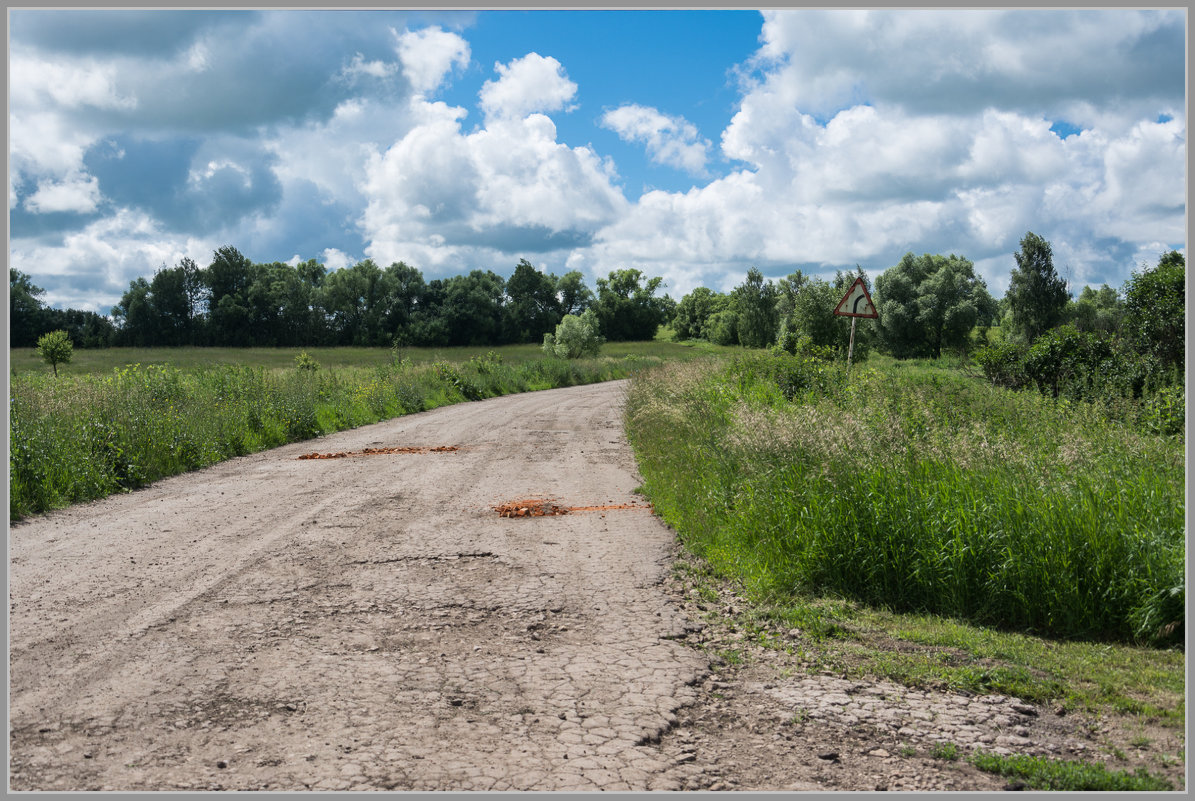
point(689, 144)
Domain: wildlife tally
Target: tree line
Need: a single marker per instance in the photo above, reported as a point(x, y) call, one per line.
point(235, 302)
point(928, 305)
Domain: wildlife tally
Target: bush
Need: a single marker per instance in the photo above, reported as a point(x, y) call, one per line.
point(792, 375)
point(305, 362)
point(575, 337)
point(1068, 361)
point(1003, 364)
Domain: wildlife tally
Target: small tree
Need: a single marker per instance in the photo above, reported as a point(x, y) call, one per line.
point(575, 336)
point(1036, 294)
point(755, 303)
point(55, 348)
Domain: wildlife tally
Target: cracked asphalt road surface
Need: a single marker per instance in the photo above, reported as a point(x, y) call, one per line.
point(359, 623)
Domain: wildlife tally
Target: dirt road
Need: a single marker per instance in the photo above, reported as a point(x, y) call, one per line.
point(364, 622)
point(369, 621)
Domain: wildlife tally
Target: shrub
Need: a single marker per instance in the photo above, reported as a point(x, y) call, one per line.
point(305, 362)
point(1003, 364)
point(575, 337)
point(451, 376)
point(1068, 361)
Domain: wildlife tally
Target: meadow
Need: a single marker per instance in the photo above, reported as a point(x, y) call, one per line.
point(117, 419)
point(917, 488)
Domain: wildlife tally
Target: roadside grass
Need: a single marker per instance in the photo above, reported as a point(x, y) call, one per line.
point(1038, 773)
point(917, 489)
point(112, 426)
point(919, 525)
point(926, 651)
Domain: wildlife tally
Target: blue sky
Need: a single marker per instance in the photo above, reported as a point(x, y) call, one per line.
point(689, 144)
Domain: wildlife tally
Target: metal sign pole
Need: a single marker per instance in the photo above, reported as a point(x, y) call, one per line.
point(850, 352)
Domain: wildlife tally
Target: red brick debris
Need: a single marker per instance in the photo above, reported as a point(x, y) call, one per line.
point(539, 507)
point(529, 507)
point(379, 451)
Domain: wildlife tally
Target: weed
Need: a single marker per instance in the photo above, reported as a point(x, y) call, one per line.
point(946, 751)
point(1039, 773)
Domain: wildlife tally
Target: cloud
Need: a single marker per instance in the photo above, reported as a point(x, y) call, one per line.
point(528, 84)
point(469, 196)
point(191, 185)
point(78, 194)
point(965, 61)
point(229, 72)
point(90, 268)
point(429, 54)
point(109, 32)
point(673, 141)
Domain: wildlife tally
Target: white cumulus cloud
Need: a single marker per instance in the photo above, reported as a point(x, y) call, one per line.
point(527, 84)
point(673, 141)
point(428, 55)
point(79, 194)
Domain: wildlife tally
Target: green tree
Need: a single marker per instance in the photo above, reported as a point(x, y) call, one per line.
point(26, 312)
point(350, 299)
point(575, 297)
point(754, 302)
point(401, 293)
point(1036, 294)
point(135, 320)
point(472, 308)
point(1154, 308)
point(55, 349)
point(627, 308)
point(694, 311)
point(85, 328)
point(930, 303)
point(722, 328)
point(170, 307)
point(786, 294)
point(427, 327)
point(228, 279)
point(1096, 310)
point(532, 307)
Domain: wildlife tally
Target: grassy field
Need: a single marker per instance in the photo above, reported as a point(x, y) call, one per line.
point(23, 361)
point(118, 419)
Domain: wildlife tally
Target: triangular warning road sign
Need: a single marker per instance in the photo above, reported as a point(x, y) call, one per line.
point(857, 302)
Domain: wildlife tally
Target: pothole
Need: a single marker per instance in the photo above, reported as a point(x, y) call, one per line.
point(543, 507)
point(530, 507)
point(383, 451)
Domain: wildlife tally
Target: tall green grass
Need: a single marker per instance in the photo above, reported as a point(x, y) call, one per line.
point(917, 490)
point(81, 437)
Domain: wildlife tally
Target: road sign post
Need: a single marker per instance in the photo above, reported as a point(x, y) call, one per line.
point(855, 303)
